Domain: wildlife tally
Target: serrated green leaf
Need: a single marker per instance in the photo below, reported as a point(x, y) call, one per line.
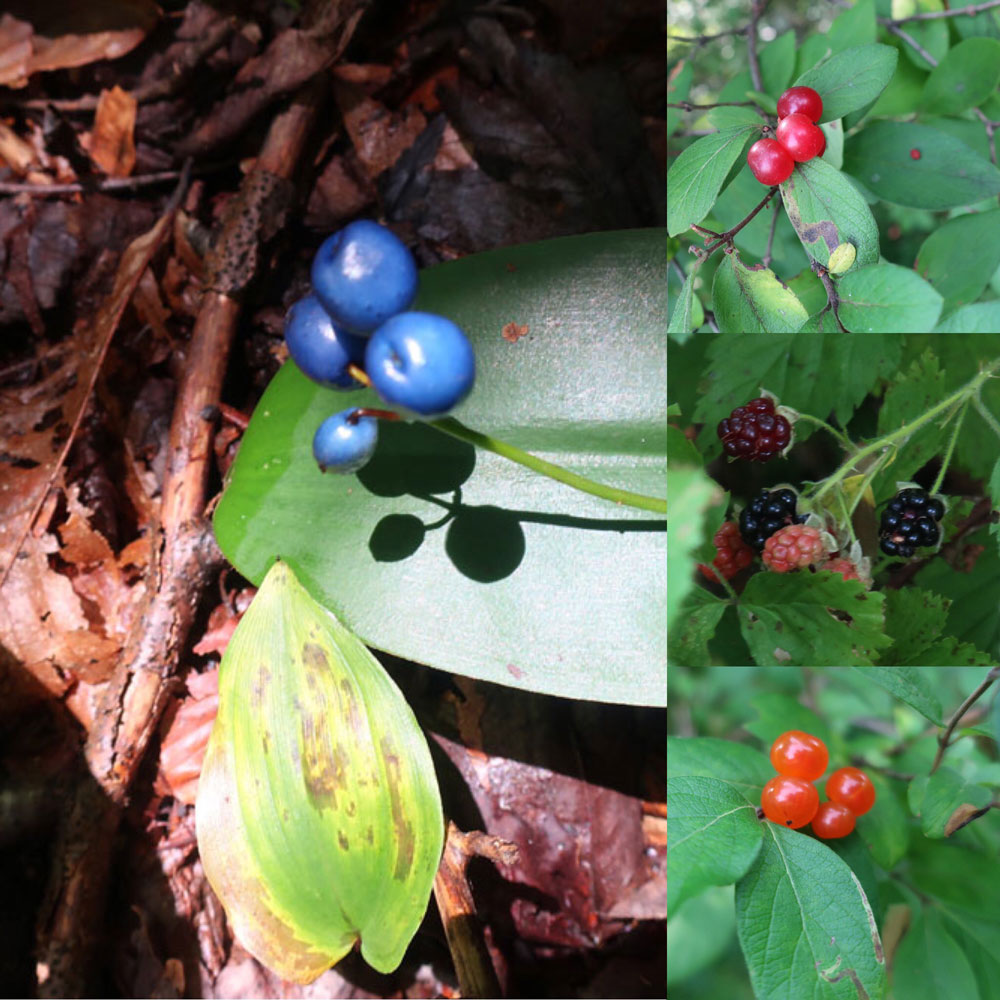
point(797, 370)
point(712, 839)
point(802, 919)
point(319, 818)
point(795, 619)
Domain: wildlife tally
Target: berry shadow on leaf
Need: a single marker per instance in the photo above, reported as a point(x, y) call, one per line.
point(417, 459)
point(485, 543)
point(396, 537)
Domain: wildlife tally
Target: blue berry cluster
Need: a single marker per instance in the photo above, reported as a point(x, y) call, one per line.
point(909, 522)
point(364, 280)
point(768, 512)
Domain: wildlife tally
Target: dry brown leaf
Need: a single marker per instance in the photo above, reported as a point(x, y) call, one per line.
point(380, 136)
point(15, 152)
point(15, 50)
point(112, 142)
point(184, 745)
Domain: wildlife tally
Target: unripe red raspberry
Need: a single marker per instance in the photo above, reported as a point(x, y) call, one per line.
point(732, 553)
point(793, 547)
point(754, 431)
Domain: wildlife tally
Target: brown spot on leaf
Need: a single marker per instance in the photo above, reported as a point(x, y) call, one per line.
point(401, 825)
point(343, 841)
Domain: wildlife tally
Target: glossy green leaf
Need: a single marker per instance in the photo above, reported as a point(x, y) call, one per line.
point(451, 556)
point(319, 819)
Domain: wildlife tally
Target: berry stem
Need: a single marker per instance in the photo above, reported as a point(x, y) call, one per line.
point(449, 425)
point(848, 445)
point(946, 461)
point(360, 374)
point(991, 421)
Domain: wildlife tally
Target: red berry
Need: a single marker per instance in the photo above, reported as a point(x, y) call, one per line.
point(793, 547)
point(914, 154)
point(851, 787)
point(732, 553)
point(796, 754)
point(754, 431)
point(769, 161)
point(801, 137)
point(832, 820)
point(801, 101)
point(789, 802)
point(843, 566)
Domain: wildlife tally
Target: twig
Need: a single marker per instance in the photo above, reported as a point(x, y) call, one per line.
point(138, 689)
point(473, 965)
point(943, 739)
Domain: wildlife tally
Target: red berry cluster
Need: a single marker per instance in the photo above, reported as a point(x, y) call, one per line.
point(731, 553)
point(792, 800)
point(799, 138)
point(755, 431)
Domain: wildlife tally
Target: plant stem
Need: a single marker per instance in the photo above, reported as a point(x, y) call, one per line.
point(449, 425)
point(969, 391)
point(842, 438)
point(943, 739)
point(946, 461)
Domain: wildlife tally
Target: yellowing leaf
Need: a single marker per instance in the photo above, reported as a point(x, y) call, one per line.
point(318, 814)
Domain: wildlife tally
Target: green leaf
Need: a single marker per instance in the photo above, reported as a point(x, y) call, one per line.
point(945, 792)
point(804, 923)
point(960, 256)
point(851, 79)
point(454, 557)
point(910, 394)
point(739, 764)
point(697, 175)
point(887, 298)
point(796, 369)
point(712, 838)
point(914, 619)
point(913, 687)
point(947, 174)
point(980, 317)
point(827, 210)
point(752, 300)
point(319, 818)
point(687, 313)
point(699, 933)
point(793, 619)
point(965, 77)
point(692, 495)
point(930, 963)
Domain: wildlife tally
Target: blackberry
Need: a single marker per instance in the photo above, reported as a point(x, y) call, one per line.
point(754, 431)
point(909, 522)
point(767, 513)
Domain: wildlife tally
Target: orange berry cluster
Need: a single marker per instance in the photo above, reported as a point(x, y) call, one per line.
point(792, 800)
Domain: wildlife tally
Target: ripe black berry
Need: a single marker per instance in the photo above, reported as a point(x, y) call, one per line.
point(754, 431)
point(767, 513)
point(909, 522)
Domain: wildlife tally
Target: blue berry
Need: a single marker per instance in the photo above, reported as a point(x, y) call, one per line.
point(421, 361)
point(319, 347)
point(343, 445)
point(363, 275)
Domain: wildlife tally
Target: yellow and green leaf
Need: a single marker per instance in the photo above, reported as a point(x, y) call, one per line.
point(319, 818)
